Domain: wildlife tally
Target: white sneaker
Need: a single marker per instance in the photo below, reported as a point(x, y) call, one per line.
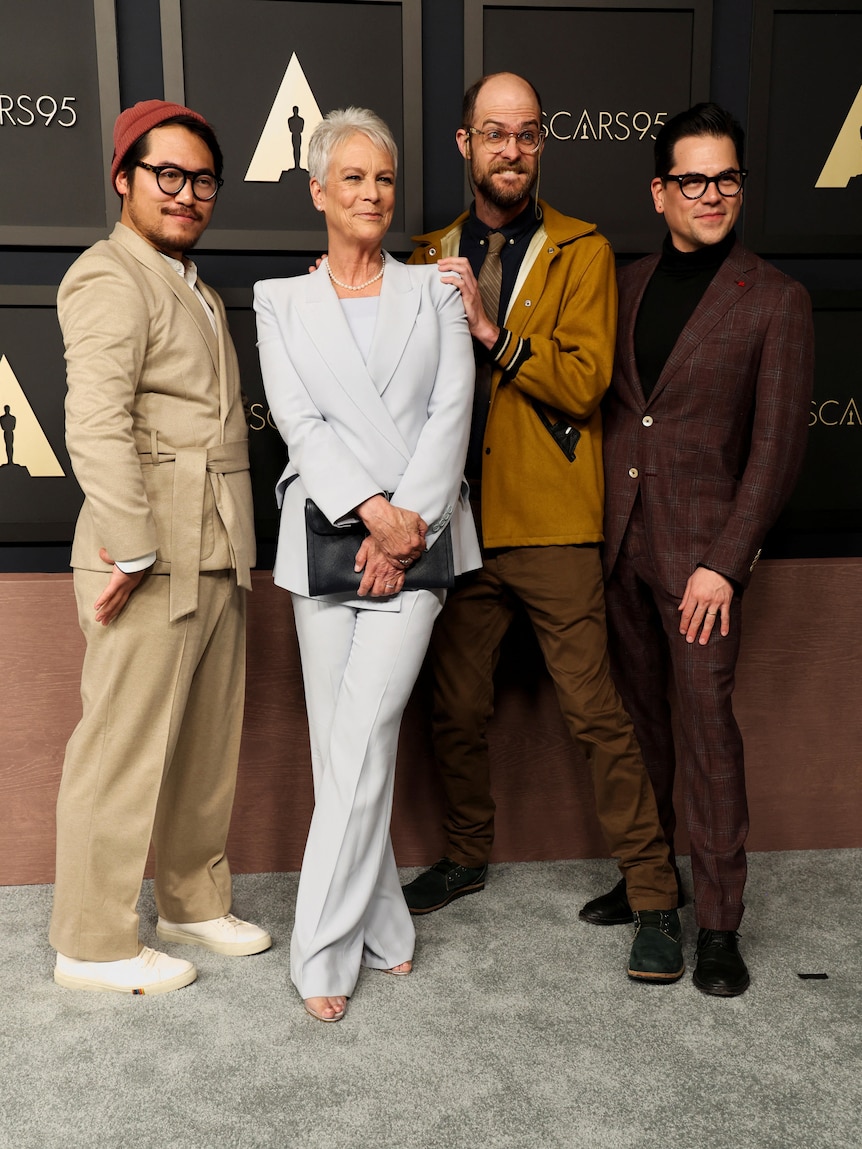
point(148, 973)
point(227, 935)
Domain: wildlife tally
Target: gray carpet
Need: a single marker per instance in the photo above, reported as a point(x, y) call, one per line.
point(518, 1028)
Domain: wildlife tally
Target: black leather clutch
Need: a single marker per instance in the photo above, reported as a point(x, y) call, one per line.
point(332, 554)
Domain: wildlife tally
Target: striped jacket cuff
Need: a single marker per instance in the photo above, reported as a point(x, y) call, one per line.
point(509, 352)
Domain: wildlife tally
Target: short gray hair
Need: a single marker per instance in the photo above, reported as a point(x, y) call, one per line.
point(336, 128)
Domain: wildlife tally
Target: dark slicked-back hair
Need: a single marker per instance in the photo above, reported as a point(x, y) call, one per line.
point(140, 148)
point(702, 120)
point(472, 95)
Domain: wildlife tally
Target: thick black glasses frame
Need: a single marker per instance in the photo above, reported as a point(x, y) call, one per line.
point(159, 169)
point(741, 172)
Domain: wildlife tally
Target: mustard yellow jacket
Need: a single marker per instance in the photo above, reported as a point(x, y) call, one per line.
point(565, 303)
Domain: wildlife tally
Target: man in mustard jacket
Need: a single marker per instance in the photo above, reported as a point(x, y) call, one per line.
point(159, 443)
point(542, 311)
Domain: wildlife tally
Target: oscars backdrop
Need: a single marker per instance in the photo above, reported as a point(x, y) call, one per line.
point(39, 498)
point(265, 73)
point(806, 128)
point(59, 98)
point(609, 75)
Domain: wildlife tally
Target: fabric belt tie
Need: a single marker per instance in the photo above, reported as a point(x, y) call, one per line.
point(191, 467)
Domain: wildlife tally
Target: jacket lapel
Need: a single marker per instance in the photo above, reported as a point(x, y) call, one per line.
point(399, 304)
point(321, 315)
point(226, 400)
point(640, 276)
point(729, 285)
point(532, 257)
point(147, 255)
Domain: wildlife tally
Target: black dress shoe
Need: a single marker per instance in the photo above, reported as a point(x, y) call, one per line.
point(719, 968)
point(613, 909)
point(442, 884)
point(656, 955)
point(610, 909)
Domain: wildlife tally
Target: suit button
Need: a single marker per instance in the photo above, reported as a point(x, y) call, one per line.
point(633, 472)
point(647, 420)
point(487, 450)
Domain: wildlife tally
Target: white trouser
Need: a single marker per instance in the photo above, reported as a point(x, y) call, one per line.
point(359, 667)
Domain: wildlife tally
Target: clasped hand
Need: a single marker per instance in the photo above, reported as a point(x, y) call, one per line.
point(395, 540)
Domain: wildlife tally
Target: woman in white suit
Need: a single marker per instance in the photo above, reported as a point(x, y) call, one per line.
point(368, 370)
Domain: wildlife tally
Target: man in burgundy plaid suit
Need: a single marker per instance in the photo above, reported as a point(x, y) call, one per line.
point(705, 426)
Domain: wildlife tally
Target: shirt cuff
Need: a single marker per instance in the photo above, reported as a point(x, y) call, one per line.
point(132, 566)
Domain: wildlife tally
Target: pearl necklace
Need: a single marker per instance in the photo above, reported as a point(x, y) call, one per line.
point(357, 286)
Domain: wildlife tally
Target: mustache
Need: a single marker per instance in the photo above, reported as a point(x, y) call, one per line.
point(516, 166)
point(186, 213)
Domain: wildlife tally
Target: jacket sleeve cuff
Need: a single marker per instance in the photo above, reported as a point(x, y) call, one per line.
point(509, 352)
point(735, 583)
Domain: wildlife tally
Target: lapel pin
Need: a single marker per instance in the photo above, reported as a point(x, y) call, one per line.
point(740, 283)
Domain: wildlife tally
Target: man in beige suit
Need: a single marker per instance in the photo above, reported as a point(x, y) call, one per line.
point(158, 440)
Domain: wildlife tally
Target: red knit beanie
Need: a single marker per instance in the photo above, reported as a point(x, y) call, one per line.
point(136, 121)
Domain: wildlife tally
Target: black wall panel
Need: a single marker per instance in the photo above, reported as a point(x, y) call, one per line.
point(599, 57)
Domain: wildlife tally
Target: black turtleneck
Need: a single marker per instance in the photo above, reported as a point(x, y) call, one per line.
point(672, 294)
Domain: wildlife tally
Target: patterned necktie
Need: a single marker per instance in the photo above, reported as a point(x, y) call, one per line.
point(491, 276)
point(489, 283)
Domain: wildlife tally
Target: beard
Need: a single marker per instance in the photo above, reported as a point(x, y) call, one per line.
point(153, 223)
point(161, 237)
point(508, 195)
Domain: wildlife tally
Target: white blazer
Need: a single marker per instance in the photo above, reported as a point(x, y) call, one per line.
point(398, 423)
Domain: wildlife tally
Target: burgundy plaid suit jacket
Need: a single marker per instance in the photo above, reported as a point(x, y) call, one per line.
point(717, 448)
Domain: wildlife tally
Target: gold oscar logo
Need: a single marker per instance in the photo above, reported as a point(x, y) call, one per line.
point(283, 144)
point(845, 160)
point(25, 445)
point(835, 413)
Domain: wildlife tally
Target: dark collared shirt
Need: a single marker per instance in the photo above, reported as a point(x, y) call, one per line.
point(518, 234)
point(508, 352)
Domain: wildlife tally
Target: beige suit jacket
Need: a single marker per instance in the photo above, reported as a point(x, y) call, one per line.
point(155, 424)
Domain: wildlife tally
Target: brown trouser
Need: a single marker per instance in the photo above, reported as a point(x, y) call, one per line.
point(561, 589)
point(153, 757)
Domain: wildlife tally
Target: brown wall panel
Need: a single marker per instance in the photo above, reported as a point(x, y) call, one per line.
point(796, 701)
point(40, 662)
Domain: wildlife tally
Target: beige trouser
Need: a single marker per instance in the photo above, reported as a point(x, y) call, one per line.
point(154, 757)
